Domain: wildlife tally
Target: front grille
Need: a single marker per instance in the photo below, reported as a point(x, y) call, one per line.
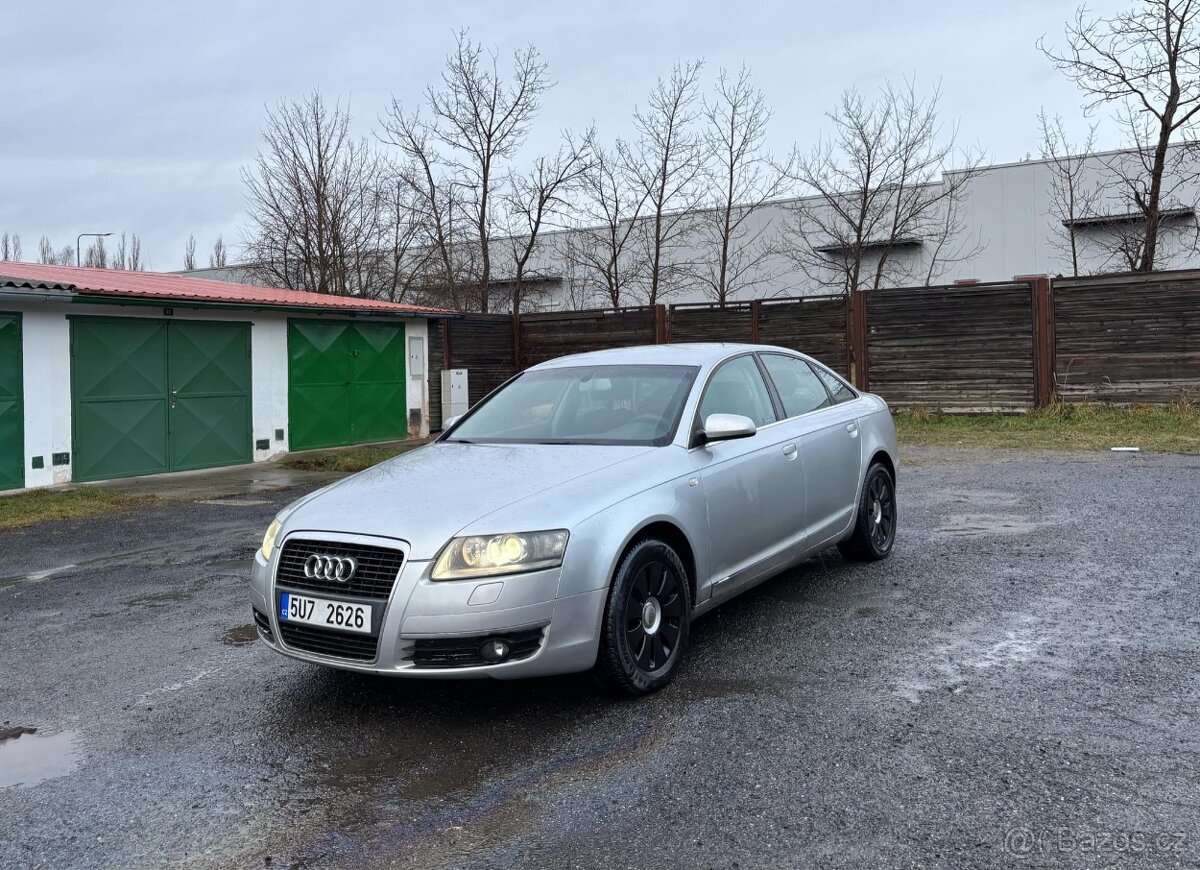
point(343, 645)
point(264, 624)
point(377, 569)
point(463, 652)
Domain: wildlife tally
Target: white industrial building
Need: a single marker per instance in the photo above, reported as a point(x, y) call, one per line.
point(1008, 224)
point(107, 373)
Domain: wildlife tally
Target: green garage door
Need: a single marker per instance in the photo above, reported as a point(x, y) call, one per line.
point(346, 383)
point(12, 420)
point(158, 395)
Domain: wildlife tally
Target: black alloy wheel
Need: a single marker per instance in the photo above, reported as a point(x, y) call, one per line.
point(646, 620)
point(875, 521)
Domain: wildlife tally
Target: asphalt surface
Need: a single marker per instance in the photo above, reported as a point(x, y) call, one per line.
point(1016, 687)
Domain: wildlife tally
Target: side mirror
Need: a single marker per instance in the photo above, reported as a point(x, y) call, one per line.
point(449, 422)
point(726, 427)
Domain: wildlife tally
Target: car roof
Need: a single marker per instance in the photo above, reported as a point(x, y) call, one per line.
point(700, 353)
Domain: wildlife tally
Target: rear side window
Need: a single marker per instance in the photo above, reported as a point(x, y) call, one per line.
point(737, 387)
point(799, 388)
point(837, 389)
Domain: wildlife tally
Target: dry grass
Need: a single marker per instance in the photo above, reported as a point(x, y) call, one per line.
point(348, 461)
point(1162, 429)
point(27, 508)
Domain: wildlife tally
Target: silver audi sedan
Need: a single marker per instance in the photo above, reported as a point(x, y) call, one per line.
point(581, 517)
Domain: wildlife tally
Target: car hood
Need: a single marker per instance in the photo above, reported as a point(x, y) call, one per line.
point(427, 495)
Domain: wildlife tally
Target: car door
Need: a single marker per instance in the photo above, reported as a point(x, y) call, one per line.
point(753, 486)
point(826, 428)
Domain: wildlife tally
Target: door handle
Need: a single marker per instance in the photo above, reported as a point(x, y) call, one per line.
point(789, 452)
point(174, 396)
point(852, 428)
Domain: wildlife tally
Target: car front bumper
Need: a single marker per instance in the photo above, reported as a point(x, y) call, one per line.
point(419, 611)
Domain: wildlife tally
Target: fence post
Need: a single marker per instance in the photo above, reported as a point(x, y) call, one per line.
point(516, 337)
point(857, 325)
point(755, 307)
point(1044, 340)
point(446, 355)
point(662, 334)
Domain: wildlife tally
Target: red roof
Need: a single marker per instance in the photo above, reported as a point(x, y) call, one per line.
point(182, 289)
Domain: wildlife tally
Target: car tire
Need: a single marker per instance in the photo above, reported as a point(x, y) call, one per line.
point(875, 520)
point(646, 620)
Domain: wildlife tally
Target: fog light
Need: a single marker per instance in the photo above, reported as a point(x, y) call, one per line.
point(494, 650)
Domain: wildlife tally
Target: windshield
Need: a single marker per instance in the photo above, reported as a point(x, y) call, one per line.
point(633, 404)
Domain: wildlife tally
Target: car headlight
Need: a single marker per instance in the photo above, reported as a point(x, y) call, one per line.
point(268, 544)
point(487, 555)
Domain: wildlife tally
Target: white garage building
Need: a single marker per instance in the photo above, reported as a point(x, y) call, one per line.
point(107, 373)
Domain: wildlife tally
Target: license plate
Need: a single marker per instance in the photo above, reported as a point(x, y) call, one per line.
point(327, 614)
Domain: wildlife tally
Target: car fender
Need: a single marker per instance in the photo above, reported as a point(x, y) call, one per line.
point(598, 542)
point(878, 433)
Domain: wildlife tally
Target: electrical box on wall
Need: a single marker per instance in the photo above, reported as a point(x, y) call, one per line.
point(454, 393)
point(416, 357)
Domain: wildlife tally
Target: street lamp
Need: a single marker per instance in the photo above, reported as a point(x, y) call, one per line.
point(78, 257)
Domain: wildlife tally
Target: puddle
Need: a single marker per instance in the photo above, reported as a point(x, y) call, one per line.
point(978, 498)
point(954, 665)
point(240, 567)
point(724, 688)
point(980, 525)
point(33, 757)
point(235, 502)
point(242, 635)
point(35, 577)
point(173, 596)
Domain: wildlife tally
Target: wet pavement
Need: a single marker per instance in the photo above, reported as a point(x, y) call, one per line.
point(1016, 686)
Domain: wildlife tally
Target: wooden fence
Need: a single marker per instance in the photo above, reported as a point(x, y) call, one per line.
point(1007, 346)
point(1128, 338)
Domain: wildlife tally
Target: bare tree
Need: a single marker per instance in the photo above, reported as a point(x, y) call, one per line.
point(120, 257)
point(66, 256)
point(1073, 198)
point(46, 251)
point(884, 208)
point(10, 247)
point(666, 161)
point(128, 254)
point(534, 200)
point(431, 201)
point(480, 117)
point(1144, 62)
point(189, 253)
point(96, 256)
point(216, 259)
point(601, 253)
point(317, 202)
point(737, 251)
point(411, 269)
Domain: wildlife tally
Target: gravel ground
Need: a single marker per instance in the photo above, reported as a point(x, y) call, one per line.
point(1015, 687)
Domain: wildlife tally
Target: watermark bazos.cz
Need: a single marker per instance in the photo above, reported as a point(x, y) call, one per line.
point(1035, 842)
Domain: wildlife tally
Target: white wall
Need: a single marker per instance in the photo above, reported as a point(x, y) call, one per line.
point(46, 337)
point(1007, 225)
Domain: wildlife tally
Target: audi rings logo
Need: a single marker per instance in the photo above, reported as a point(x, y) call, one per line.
point(335, 568)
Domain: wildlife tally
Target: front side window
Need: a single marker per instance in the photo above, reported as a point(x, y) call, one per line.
point(737, 387)
point(799, 389)
point(630, 404)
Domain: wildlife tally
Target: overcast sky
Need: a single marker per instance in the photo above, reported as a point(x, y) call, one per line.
point(139, 116)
